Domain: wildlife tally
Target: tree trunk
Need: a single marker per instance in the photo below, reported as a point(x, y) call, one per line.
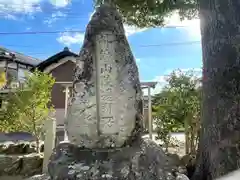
point(219, 151)
point(186, 123)
point(37, 145)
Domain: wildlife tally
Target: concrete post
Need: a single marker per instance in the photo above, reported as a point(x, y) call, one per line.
point(143, 115)
point(150, 124)
point(49, 142)
point(65, 112)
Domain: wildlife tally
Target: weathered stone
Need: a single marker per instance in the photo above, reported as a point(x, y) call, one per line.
point(176, 161)
point(13, 148)
point(181, 177)
point(24, 165)
point(144, 160)
point(39, 177)
point(31, 164)
point(106, 107)
point(9, 164)
point(22, 147)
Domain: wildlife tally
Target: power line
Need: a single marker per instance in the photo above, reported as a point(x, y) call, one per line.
point(40, 32)
point(147, 45)
point(66, 31)
point(144, 46)
point(172, 44)
point(58, 14)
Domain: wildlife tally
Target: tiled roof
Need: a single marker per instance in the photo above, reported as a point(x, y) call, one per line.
point(55, 58)
point(18, 57)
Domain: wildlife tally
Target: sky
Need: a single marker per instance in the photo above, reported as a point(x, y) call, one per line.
point(158, 51)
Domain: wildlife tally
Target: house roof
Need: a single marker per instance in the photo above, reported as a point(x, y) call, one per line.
point(54, 59)
point(18, 57)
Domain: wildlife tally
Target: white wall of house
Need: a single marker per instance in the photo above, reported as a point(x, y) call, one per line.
point(59, 115)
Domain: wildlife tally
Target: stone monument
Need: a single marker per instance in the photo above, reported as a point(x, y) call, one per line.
point(104, 122)
point(106, 107)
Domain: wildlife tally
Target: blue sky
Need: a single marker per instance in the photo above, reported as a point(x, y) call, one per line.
point(157, 51)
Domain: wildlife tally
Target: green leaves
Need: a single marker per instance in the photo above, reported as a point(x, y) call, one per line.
point(151, 13)
point(29, 107)
point(178, 104)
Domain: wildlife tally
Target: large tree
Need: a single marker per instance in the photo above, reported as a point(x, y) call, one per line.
point(220, 138)
point(220, 25)
point(152, 13)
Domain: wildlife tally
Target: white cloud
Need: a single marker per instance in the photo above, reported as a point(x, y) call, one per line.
point(54, 17)
point(58, 14)
point(60, 3)
point(9, 8)
point(10, 17)
point(19, 6)
point(130, 30)
point(191, 26)
point(138, 60)
point(71, 38)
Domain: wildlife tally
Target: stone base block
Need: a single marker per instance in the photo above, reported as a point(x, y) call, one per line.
point(144, 160)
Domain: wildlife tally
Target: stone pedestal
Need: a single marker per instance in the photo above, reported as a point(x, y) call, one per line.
point(144, 160)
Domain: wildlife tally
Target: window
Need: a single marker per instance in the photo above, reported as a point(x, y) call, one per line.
point(21, 74)
point(12, 75)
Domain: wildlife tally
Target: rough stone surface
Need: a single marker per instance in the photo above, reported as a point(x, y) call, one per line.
point(24, 165)
point(9, 164)
point(142, 161)
point(39, 177)
point(106, 107)
point(181, 177)
point(20, 147)
point(31, 164)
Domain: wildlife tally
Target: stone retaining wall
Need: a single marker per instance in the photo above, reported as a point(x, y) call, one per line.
point(20, 160)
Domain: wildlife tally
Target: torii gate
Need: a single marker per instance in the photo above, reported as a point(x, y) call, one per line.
point(149, 85)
